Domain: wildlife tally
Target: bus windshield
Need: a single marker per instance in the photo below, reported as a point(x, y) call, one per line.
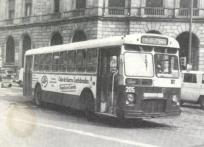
point(166, 66)
point(138, 64)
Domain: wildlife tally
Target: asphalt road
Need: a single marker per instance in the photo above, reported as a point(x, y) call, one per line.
point(25, 125)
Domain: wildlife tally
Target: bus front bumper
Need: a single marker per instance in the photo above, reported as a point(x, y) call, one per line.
point(141, 114)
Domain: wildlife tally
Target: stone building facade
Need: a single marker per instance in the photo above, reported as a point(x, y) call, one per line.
point(26, 24)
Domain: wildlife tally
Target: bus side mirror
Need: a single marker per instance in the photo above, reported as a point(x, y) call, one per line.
point(113, 64)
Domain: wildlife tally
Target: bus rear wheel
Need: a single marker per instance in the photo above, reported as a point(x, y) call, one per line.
point(38, 96)
point(89, 106)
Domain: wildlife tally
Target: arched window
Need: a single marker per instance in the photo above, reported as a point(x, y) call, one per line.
point(56, 39)
point(10, 50)
point(79, 36)
point(183, 40)
point(26, 46)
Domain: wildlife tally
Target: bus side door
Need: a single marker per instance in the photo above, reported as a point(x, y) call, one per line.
point(108, 67)
point(27, 86)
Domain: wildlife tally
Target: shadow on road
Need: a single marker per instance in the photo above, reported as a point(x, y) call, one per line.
point(79, 117)
point(131, 123)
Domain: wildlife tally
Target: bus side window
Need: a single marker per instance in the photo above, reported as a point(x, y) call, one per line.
point(203, 79)
point(55, 61)
point(80, 60)
point(41, 62)
point(36, 62)
point(71, 62)
point(63, 61)
point(48, 61)
point(91, 60)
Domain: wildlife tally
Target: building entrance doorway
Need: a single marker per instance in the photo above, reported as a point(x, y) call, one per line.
point(183, 40)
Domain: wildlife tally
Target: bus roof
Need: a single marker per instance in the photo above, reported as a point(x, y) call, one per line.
point(105, 42)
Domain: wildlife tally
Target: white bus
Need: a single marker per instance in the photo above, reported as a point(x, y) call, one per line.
point(132, 76)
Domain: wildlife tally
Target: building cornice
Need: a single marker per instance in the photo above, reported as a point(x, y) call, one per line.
point(101, 18)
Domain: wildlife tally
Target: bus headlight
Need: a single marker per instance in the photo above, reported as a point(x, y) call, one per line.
point(175, 99)
point(130, 98)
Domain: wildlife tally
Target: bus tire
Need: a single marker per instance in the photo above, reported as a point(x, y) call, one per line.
point(89, 105)
point(38, 96)
point(201, 101)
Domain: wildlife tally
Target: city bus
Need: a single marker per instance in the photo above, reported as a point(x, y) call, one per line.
point(131, 76)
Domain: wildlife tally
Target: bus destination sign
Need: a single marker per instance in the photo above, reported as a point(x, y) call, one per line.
point(154, 40)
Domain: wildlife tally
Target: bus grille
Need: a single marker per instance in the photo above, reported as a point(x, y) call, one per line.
point(153, 106)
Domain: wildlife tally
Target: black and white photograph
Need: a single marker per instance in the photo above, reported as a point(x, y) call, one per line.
point(102, 73)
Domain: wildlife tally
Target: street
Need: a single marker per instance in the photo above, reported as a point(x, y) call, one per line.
point(25, 125)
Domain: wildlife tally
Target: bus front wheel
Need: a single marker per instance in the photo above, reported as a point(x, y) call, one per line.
point(38, 96)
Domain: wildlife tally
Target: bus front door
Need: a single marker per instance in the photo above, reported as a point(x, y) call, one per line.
point(108, 69)
point(27, 80)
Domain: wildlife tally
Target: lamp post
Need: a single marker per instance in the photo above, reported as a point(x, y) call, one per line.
point(190, 33)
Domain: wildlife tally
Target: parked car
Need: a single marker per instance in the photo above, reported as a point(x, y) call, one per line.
point(192, 90)
point(8, 75)
point(6, 81)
